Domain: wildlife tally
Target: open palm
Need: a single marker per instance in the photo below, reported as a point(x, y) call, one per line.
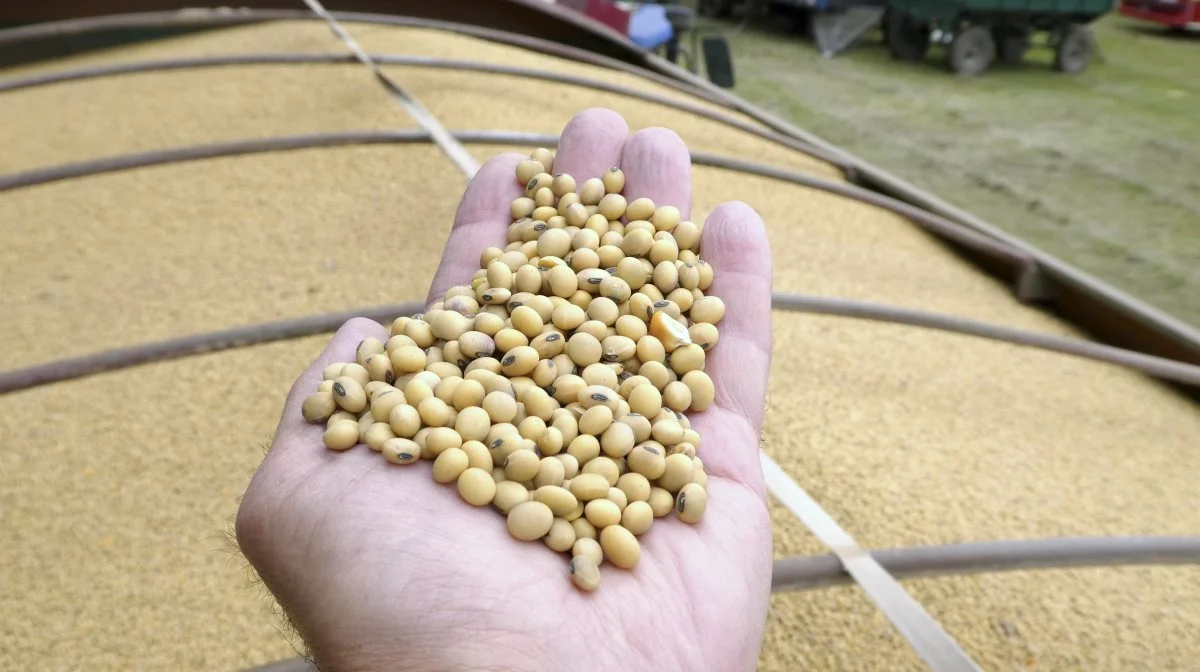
point(380, 567)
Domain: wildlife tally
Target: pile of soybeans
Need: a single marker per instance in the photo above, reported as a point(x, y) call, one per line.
point(554, 386)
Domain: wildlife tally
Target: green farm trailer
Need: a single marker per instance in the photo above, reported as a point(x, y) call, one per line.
point(976, 32)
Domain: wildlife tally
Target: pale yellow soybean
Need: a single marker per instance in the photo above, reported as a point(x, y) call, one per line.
point(472, 423)
point(586, 239)
point(508, 338)
point(689, 275)
point(449, 465)
point(602, 512)
point(612, 206)
point(366, 348)
point(584, 448)
point(325, 386)
point(550, 442)
point(700, 478)
point(617, 440)
point(420, 332)
point(614, 181)
point(595, 329)
point(567, 387)
point(665, 218)
point(667, 431)
point(531, 429)
point(544, 197)
point(641, 306)
point(586, 546)
point(645, 400)
point(703, 334)
point(635, 486)
point(494, 296)
point(404, 420)
point(691, 503)
point(700, 386)
point(591, 191)
point(440, 439)
point(444, 369)
point(333, 371)
point(589, 486)
point(691, 436)
point(563, 185)
point(604, 466)
point(527, 321)
point(706, 275)
point(466, 393)
point(640, 208)
point(665, 276)
point(583, 529)
point(434, 412)
point(687, 358)
point(575, 513)
point(598, 395)
point(561, 536)
point(617, 496)
point(687, 235)
point(630, 270)
point(709, 310)
point(476, 486)
point(558, 499)
point(377, 434)
point(568, 316)
point(446, 388)
point(318, 407)
point(538, 403)
point(640, 425)
point(656, 372)
point(372, 388)
point(349, 394)
point(580, 298)
point(682, 298)
point(357, 373)
point(341, 435)
point(420, 439)
point(527, 279)
point(500, 275)
point(364, 423)
point(527, 169)
point(408, 359)
point(647, 460)
point(663, 249)
point(637, 517)
point(521, 465)
point(529, 521)
point(650, 349)
point(539, 181)
point(620, 546)
point(475, 344)
point(637, 243)
point(609, 252)
point(677, 396)
point(632, 327)
point(576, 214)
point(400, 451)
point(549, 344)
point(603, 310)
point(585, 572)
point(570, 465)
point(519, 361)
point(550, 472)
point(661, 502)
point(553, 243)
point(508, 494)
point(448, 325)
point(596, 420)
point(478, 455)
point(584, 349)
point(600, 374)
point(678, 471)
point(499, 406)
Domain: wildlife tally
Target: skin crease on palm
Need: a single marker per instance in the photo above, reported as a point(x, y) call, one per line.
point(381, 568)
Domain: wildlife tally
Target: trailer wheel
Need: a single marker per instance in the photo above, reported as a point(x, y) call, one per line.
point(1075, 47)
point(718, 9)
point(972, 51)
point(906, 41)
point(1011, 43)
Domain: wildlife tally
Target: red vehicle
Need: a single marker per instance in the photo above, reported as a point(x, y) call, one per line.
point(1177, 14)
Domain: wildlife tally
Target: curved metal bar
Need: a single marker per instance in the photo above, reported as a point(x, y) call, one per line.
point(196, 344)
point(992, 556)
point(211, 17)
point(77, 367)
point(106, 70)
point(1056, 269)
point(1166, 369)
point(928, 221)
point(820, 571)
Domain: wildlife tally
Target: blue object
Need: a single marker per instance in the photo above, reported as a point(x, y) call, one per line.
point(649, 27)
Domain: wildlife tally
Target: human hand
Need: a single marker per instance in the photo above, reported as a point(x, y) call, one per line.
point(381, 568)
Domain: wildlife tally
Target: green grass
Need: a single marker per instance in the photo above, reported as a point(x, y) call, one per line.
point(1101, 168)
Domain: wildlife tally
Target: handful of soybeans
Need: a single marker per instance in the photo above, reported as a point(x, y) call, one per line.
point(554, 386)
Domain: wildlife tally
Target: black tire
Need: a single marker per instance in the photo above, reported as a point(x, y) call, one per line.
point(905, 41)
point(971, 52)
point(1074, 50)
point(1011, 44)
point(717, 9)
